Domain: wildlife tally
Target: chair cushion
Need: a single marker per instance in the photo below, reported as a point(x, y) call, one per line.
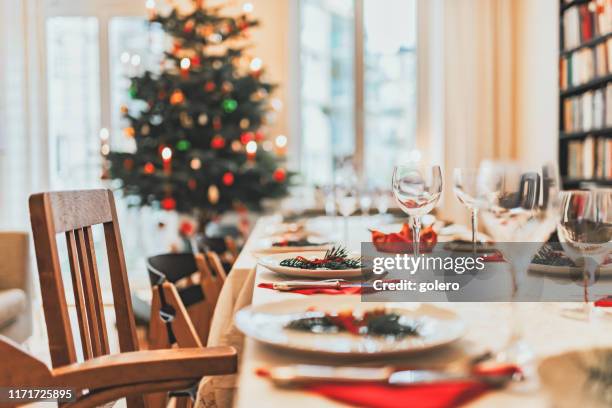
point(12, 304)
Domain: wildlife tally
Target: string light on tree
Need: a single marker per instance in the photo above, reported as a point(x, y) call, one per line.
point(256, 64)
point(228, 178)
point(280, 144)
point(185, 63)
point(195, 163)
point(247, 7)
point(251, 149)
point(217, 142)
point(149, 168)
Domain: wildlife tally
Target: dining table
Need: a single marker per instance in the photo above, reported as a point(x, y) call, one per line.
point(545, 330)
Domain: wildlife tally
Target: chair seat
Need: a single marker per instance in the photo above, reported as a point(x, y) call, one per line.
point(12, 304)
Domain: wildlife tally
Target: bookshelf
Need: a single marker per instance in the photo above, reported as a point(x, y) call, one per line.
point(585, 93)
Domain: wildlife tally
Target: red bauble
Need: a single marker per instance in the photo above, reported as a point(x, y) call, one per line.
point(228, 179)
point(246, 137)
point(149, 168)
point(189, 26)
point(217, 142)
point(195, 61)
point(209, 86)
point(168, 203)
point(187, 228)
point(192, 184)
point(259, 136)
point(279, 175)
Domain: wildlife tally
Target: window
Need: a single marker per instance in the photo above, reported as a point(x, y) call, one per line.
point(358, 94)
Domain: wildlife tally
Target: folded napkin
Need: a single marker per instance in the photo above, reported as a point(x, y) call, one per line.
point(604, 302)
point(347, 290)
point(376, 395)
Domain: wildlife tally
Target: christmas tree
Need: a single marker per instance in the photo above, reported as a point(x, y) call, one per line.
point(200, 140)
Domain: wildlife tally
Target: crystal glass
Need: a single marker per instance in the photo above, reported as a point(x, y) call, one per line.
point(469, 193)
point(417, 189)
point(381, 201)
point(365, 202)
point(585, 233)
point(520, 211)
point(346, 200)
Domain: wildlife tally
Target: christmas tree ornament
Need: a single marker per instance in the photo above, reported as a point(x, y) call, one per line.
point(168, 203)
point(186, 120)
point(217, 65)
point(128, 164)
point(129, 132)
point(192, 184)
point(123, 109)
point(189, 25)
point(185, 63)
point(217, 142)
point(145, 129)
point(259, 136)
point(195, 61)
point(209, 86)
point(215, 38)
point(177, 97)
point(217, 123)
point(187, 228)
point(246, 137)
point(227, 87)
point(228, 178)
point(202, 119)
point(279, 175)
point(236, 146)
point(183, 145)
point(166, 155)
point(229, 105)
point(195, 163)
point(156, 120)
point(149, 168)
point(251, 149)
point(213, 194)
point(244, 123)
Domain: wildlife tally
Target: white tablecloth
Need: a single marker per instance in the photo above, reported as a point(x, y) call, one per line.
point(546, 331)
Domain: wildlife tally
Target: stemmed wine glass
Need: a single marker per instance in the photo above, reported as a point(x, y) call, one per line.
point(520, 212)
point(585, 233)
point(346, 200)
point(468, 192)
point(417, 189)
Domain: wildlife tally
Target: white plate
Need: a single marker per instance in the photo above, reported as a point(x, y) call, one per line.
point(266, 323)
point(566, 270)
point(272, 262)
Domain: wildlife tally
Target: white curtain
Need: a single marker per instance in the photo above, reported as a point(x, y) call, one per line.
point(479, 90)
point(22, 119)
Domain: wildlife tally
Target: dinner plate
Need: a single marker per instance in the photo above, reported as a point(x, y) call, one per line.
point(272, 262)
point(266, 323)
point(566, 271)
point(570, 379)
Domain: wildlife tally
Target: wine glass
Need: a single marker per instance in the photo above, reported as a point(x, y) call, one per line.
point(417, 189)
point(381, 201)
point(468, 192)
point(346, 200)
point(365, 202)
point(520, 211)
point(585, 233)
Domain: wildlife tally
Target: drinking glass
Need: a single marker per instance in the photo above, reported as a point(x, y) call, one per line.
point(468, 192)
point(346, 200)
point(365, 202)
point(520, 211)
point(381, 201)
point(417, 189)
point(585, 233)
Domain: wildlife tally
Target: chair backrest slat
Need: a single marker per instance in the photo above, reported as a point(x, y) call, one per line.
point(97, 292)
point(73, 213)
point(79, 297)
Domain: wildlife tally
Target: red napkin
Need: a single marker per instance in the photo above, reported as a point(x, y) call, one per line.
point(494, 257)
point(349, 290)
point(376, 395)
point(604, 302)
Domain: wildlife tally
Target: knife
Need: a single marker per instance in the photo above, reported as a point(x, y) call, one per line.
point(300, 374)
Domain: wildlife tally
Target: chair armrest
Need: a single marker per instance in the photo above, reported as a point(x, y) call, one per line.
point(146, 367)
point(19, 368)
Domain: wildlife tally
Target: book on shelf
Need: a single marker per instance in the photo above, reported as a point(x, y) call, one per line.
point(583, 22)
point(590, 158)
point(586, 64)
point(590, 110)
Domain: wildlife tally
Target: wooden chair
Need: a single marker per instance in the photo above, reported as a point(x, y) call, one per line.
point(130, 373)
point(186, 279)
